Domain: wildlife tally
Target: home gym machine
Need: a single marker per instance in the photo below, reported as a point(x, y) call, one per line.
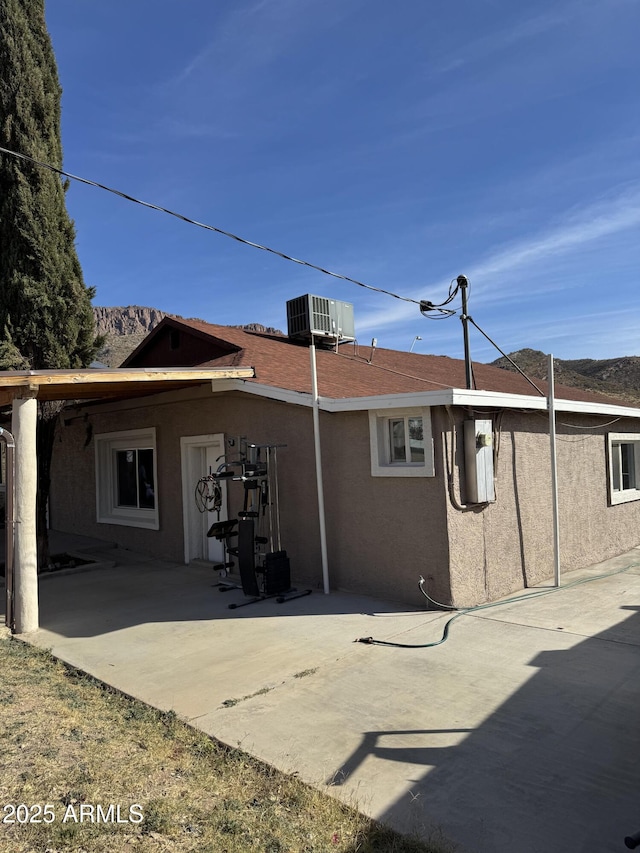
point(254, 537)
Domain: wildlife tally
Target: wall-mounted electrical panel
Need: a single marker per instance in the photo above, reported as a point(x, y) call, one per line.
point(478, 461)
point(318, 317)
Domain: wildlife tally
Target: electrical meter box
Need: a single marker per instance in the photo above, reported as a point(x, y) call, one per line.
point(478, 461)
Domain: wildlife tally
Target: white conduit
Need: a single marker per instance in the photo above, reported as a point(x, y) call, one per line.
point(316, 442)
point(554, 473)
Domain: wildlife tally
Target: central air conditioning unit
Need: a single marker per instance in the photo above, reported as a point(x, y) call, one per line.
point(321, 319)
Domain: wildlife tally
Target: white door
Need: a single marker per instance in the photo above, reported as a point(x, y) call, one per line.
point(200, 456)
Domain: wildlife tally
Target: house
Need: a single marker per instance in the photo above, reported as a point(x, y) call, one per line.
point(421, 476)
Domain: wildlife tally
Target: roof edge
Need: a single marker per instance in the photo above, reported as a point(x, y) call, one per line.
point(444, 397)
point(182, 324)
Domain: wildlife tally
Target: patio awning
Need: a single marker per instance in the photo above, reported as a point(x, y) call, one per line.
point(21, 389)
point(105, 383)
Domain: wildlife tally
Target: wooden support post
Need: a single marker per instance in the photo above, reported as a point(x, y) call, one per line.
point(25, 591)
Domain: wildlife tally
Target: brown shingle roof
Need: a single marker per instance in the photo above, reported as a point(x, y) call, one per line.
point(284, 363)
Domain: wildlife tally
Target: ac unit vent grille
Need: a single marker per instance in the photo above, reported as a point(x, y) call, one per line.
point(316, 316)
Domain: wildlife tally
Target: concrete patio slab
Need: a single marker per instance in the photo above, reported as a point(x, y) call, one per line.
point(521, 732)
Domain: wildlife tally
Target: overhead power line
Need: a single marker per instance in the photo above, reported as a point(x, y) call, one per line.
point(204, 225)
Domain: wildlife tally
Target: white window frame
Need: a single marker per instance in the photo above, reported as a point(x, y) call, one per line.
point(614, 440)
point(380, 442)
point(106, 446)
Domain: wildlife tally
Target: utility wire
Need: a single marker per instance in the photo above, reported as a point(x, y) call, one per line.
point(509, 359)
point(205, 226)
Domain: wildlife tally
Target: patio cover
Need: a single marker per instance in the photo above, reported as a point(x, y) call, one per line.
point(21, 389)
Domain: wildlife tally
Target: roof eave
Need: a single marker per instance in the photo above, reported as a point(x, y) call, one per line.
point(441, 397)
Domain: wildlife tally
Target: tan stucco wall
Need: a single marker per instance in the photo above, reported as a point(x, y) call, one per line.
point(262, 421)
point(383, 533)
point(387, 530)
point(509, 544)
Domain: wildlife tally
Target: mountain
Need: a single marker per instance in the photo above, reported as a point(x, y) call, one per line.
point(125, 328)
point(618, 377)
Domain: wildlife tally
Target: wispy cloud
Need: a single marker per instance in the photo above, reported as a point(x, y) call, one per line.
point(521, 30)
point(580, 227)
point(253, 36)
point(500, 40)
point(578, 230)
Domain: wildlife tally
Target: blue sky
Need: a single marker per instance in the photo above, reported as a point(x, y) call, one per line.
point(400, 144)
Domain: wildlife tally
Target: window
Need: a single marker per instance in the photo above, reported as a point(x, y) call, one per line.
point(624, 467)
point(126, 478)
point(401, 443)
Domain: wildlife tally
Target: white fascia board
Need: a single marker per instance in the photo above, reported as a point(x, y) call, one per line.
point(444, 397)
point(297, 398)
point(418, 399)
point(596, 409)
point(338, 404)
point(462, 397)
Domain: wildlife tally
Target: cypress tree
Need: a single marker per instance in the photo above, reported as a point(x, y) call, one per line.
point(46, 319)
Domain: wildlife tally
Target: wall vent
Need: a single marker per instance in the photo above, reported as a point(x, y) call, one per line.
point(321, 318)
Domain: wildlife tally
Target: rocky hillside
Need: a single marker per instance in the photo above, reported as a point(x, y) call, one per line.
point(125, 328)
point(619, 377)
point(132, 320)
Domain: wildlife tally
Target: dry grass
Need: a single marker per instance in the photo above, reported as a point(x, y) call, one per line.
point(67, 741)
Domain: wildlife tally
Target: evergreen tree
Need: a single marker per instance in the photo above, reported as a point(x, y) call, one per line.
point(45, 308)
point(46, 319)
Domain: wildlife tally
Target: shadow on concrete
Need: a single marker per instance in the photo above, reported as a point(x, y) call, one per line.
point(99, 601)
point(556, 767)
point(124, 588)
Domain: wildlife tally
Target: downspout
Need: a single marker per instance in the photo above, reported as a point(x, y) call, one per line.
point(9, 524)
point(316, 442)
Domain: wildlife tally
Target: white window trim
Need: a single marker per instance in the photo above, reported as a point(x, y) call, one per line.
point(620, 496)
point(381, 465)
point(107, 512)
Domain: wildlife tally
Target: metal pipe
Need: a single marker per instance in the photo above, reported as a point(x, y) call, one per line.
point(554, 472)
point(316, 442)
point(270, 496)
point(9, 524)
point(463, 284)
point(277, 494)
point(455, 503)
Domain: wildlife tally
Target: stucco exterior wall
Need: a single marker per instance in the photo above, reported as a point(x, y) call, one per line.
point(73, 504)
point(508, 545)
point(383, 533)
